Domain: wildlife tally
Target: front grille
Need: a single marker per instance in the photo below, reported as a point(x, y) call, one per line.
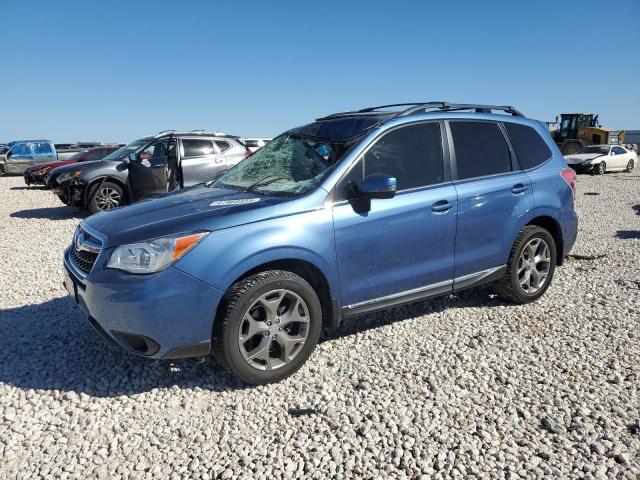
point(83, 259)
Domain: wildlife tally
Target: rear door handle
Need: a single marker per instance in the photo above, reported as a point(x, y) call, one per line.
point(442, 206)
point(519, 188)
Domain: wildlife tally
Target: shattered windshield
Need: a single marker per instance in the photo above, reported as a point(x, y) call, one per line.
point(292, 164)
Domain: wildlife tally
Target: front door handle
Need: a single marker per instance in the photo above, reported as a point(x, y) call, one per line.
point(519, 188)
point(442, 206)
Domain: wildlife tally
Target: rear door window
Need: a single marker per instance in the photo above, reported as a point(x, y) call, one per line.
point(197, 147)
point(530, 148)
point(411, 154)
point(222, 145)
point(480, 149)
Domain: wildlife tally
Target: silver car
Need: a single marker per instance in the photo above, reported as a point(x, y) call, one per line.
point(16, 156)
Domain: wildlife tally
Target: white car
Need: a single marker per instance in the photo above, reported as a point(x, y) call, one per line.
point(598, 159)
point(254, 144)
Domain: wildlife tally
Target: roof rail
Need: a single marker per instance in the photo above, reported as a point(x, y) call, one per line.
point(417, 107)
point(451, 107)
point(162, 132)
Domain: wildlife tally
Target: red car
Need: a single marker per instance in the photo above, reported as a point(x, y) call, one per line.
point(38, 174)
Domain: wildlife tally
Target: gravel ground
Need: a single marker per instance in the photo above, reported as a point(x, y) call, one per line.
point(460, 386)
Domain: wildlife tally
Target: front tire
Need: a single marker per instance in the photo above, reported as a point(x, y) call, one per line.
point(600, 169)
point(530, 268)
point(105, 196)
point(630, 166)
point(268, 327)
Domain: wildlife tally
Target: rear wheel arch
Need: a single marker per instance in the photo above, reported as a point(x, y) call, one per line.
point(551, 225)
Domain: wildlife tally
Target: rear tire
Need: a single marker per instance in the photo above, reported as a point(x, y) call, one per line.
point(267, 327)
point(522, 266)
point(630, 166)
point(105, 196)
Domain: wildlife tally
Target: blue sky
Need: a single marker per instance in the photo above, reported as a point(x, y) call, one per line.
point(116, 70)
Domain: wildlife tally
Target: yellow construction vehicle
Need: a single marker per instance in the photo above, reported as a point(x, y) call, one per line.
point(577, 130)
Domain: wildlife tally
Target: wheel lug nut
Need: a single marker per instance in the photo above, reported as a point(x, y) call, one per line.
point(268, 324)
point(280, 328)
point(277, 320)
point(266, 334)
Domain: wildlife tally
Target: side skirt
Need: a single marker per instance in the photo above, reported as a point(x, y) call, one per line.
point(422, 293)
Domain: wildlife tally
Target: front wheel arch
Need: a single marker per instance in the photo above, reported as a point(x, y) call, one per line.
point(94, 183)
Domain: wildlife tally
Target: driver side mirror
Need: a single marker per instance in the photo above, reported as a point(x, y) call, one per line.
point(133, 157)
point(378, 185)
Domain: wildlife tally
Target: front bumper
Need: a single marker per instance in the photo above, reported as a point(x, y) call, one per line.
point(164, 315)
point(581, 167)
point(34, 178)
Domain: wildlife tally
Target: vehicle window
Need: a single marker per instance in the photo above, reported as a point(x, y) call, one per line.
point(42, 148)
point(197, 147)
point(251, 143)
point(97, 155)
point(155, 150)
point(618, 150)
point(480, 149)
point(290, 165)
point(21, 149)
point(222, 145)
point(530, 148)
point(347, 188)
point(411, 154)
point(595, 149)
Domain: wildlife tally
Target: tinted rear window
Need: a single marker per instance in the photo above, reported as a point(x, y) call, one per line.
point(530, 148)
point(197, 147)
point(480, 149)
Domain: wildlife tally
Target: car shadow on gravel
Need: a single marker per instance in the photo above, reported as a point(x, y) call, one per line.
point(628, 234)
point(50, 346)
point(51, 213)
point(475, 297)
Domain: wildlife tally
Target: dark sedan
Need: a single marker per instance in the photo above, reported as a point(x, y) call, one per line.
point(39, 173)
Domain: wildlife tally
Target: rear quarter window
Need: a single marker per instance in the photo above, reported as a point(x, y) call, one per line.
point(530, 148)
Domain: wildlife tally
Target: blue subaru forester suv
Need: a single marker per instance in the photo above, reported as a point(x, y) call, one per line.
point(355, 212)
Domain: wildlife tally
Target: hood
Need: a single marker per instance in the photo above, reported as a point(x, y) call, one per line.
point(194, 208)
point(76, 166)
point(47, 165)
point(581, 157)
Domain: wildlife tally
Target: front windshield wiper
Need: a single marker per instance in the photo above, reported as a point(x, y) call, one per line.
point(253, 188)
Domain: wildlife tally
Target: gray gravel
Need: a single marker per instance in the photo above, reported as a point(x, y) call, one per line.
point(460, 386)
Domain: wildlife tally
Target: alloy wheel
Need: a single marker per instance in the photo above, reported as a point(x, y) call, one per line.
point(630, 166)
point(602, 168)
point(274, 329)
point(534, 265)
point(107, 198)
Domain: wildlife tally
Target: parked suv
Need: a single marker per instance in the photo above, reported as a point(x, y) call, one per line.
point(352, 213)
point(145, 168)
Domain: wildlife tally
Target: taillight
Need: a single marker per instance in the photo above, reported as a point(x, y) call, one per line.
point(569, 176)
point(248, 153)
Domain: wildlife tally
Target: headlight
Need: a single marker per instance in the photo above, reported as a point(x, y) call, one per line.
point(153, 255)
point(68, 176)
point(587, 162)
